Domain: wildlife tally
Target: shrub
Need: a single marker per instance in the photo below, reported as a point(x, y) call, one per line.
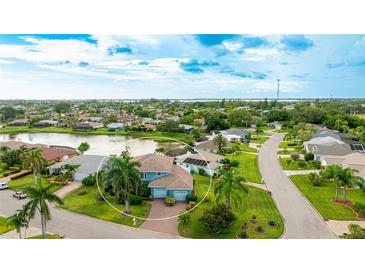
point(271, 223)
point(89, 180)
point(309, 156)
point(169, 201)
point(191, 198)
point(254, 217)
point(144, 190)
point(243, 235)
point(316, 164)
point(201, 171)
point(81, 193)
point(301, 164)
point(259, 229)
point(216, 219)
point(359, 207)
point(234, 163)
point(135, 199)
point(184, 219)
point(190, 205)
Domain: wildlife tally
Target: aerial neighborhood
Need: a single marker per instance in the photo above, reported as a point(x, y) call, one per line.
point(205, 169)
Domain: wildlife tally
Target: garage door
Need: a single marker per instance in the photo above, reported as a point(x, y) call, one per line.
point(180, 195)
point(159, 192)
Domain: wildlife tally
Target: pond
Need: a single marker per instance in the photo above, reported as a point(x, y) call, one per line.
point(99, 144)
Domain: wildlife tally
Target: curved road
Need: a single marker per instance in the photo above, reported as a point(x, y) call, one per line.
point(78, 226)
point(301, 220)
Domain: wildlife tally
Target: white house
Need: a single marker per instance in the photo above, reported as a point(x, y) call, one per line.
point(321, 141)
point(209, 162)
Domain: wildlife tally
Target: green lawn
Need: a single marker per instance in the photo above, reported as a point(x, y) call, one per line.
point(248, 166)
point(20, 183)
point(290, 164)
point(256, 202)
point(296, 145)
point(89, 205)
point(3, 226)
point(321, 197)
point(260, 139)
point(246, 148)
point(48, 236)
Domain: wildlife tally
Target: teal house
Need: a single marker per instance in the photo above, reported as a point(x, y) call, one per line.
point(164, 177)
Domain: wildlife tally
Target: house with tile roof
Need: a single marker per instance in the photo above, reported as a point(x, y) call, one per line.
point(192, 162)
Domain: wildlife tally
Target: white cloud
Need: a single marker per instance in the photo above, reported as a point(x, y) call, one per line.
point(6, 62)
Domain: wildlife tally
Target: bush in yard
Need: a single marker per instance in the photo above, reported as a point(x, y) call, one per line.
point(359, 207)
point(301, 164)
point(316, 164)
point(271, 223)
point(294, 156)
point(216, 219)
point(143, 190)
point(243, 235)
point(184, 219)
point(234, 163)
point(191, 198)
point(309, 156)
point(135, 199)
point(201, 171)
point(315, 179)
point(89, 180)
point(169, 201)
point(288, 161)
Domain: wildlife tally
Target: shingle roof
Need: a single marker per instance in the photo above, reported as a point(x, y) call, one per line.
point(177, 179)
point(330, 149)
point(89, 164)
point(206, 145)
point(153, 162)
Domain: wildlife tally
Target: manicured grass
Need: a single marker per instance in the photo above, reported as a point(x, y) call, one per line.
point(3, 226)
point(256, 202)
point(248, 166)
point(48, 236)
point(89, 205)
point(100, 131)
point(20, 183)
point(290, 164)
point(362, 116)
point(321, 197)
point(260, 139)
point(296, 145)
point(246, 148)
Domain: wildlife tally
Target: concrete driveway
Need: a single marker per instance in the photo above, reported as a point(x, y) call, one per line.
point(78, 226)
point(158, 211)
point(301, 220)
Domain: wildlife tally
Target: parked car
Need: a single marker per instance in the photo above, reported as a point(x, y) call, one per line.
point(4, 185)
point(19, 195)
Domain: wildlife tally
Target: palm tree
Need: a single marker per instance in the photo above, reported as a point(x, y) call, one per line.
point(83, 147)
point(228, 186)
point(219, 141)
point(33, 160)
point(39, 196)
point(160, 151)
point(124, 176)
point(331, 172)
point(67, 172)
point(347, 179)
point(18, 220)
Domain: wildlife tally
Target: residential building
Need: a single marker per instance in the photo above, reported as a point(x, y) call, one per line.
point(115, 126)
point(206, 161)
point(322, 141)
point(45, 123)
point(206, 146)
point(231, 134)
point(19, 122)
point(321, 151)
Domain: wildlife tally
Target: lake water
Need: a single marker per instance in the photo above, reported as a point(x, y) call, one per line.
point(99, 144)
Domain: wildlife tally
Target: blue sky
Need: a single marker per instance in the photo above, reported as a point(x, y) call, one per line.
point(80, 66)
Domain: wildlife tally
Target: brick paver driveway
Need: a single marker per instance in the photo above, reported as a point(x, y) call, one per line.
point(159, 210)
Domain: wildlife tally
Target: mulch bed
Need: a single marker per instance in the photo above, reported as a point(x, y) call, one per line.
point(239, 237)
point(259, 232)
point(244, 227)
point(349, 204)
point(252, 221)
point(273, 226)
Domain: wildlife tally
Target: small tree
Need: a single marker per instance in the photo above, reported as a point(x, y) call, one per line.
point(160, 151)
point(309, 156)
point(220, 142)
point(19, 220)
point(184, 219)
point(83, 147)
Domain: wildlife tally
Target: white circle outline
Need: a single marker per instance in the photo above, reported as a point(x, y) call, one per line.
point(155, 219)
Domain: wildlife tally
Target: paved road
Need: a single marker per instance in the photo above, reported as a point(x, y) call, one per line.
point(301, 220)
point(77, 226)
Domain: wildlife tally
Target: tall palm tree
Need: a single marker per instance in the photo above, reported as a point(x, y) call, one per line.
point(228, 186)
point(347, 179)
point(39, 196)
point(331, 172)
point(67, 172)
point(33, 160)
point(219, 141)
point(124, 176)
point(18, 220)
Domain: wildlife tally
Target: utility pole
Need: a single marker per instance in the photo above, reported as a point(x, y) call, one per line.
point(277, 94)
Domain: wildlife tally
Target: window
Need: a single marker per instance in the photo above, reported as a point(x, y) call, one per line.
point(158, 173)
point(143, 175)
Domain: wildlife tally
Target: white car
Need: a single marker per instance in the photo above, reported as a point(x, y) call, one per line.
point(4, 185)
